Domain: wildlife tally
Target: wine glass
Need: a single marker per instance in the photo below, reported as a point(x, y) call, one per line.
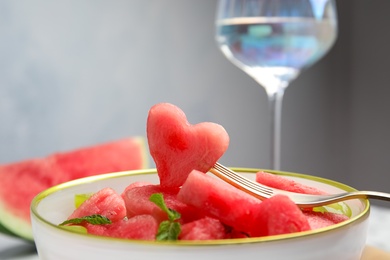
point(273, 41)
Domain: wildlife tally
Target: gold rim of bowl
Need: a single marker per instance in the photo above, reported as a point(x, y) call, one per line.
point(360, 217)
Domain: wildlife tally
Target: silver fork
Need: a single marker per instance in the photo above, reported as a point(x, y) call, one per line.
point(302, 200)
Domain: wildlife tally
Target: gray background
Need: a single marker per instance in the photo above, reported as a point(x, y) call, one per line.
point(76, 73)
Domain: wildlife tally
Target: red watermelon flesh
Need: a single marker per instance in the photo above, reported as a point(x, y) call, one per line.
point(98, 230)
point(323, 219)
point(143, 227)
point(137, 203)
point(21, 181)
point(279, 215)
point(178, 147)
point(125, 154)
point(203, 229)
point(218, 199)
point(16, 196)
point(105, 202)
point(282, 183)
point(136, 184)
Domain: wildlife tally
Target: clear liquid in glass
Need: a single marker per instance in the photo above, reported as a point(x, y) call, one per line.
point(273, 50)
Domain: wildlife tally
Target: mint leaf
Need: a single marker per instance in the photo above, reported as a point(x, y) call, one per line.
point(92, 219)
point(158, 199)
point(168, 229)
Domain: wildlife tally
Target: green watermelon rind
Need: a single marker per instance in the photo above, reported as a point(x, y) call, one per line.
point(9, 221)
point(6, 231)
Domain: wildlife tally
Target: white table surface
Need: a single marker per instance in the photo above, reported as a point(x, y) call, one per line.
point(378, 236)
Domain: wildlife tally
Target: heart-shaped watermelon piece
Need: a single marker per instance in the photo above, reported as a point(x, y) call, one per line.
point(178, 147)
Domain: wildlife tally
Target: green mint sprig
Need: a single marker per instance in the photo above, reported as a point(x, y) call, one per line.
point(170, 229)
point(95, 219)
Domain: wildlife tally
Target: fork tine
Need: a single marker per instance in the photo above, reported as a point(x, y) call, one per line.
point(240, 182)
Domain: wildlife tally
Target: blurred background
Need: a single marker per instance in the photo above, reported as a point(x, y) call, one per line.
point(77, 73)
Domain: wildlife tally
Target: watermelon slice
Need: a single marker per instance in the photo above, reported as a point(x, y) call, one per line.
point(21, 181)
point(178, 147)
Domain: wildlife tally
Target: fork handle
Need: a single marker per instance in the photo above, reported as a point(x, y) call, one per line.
point(373, 195)
point(307, 200)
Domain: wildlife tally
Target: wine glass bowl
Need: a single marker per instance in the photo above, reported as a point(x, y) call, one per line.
point(273, 41)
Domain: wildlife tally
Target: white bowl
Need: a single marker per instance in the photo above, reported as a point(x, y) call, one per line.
point(345, 240)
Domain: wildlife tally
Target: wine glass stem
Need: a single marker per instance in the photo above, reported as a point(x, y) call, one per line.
point(275, 103)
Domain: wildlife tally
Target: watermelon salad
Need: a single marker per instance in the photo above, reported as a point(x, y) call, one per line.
point(189, 204)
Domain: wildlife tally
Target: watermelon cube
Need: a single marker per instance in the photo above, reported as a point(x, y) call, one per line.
point(105, 202)
point(220, 200)
point(136, 184)
point(143, 227)
point(279, 215)
point(203, 229)
point(137, 202)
